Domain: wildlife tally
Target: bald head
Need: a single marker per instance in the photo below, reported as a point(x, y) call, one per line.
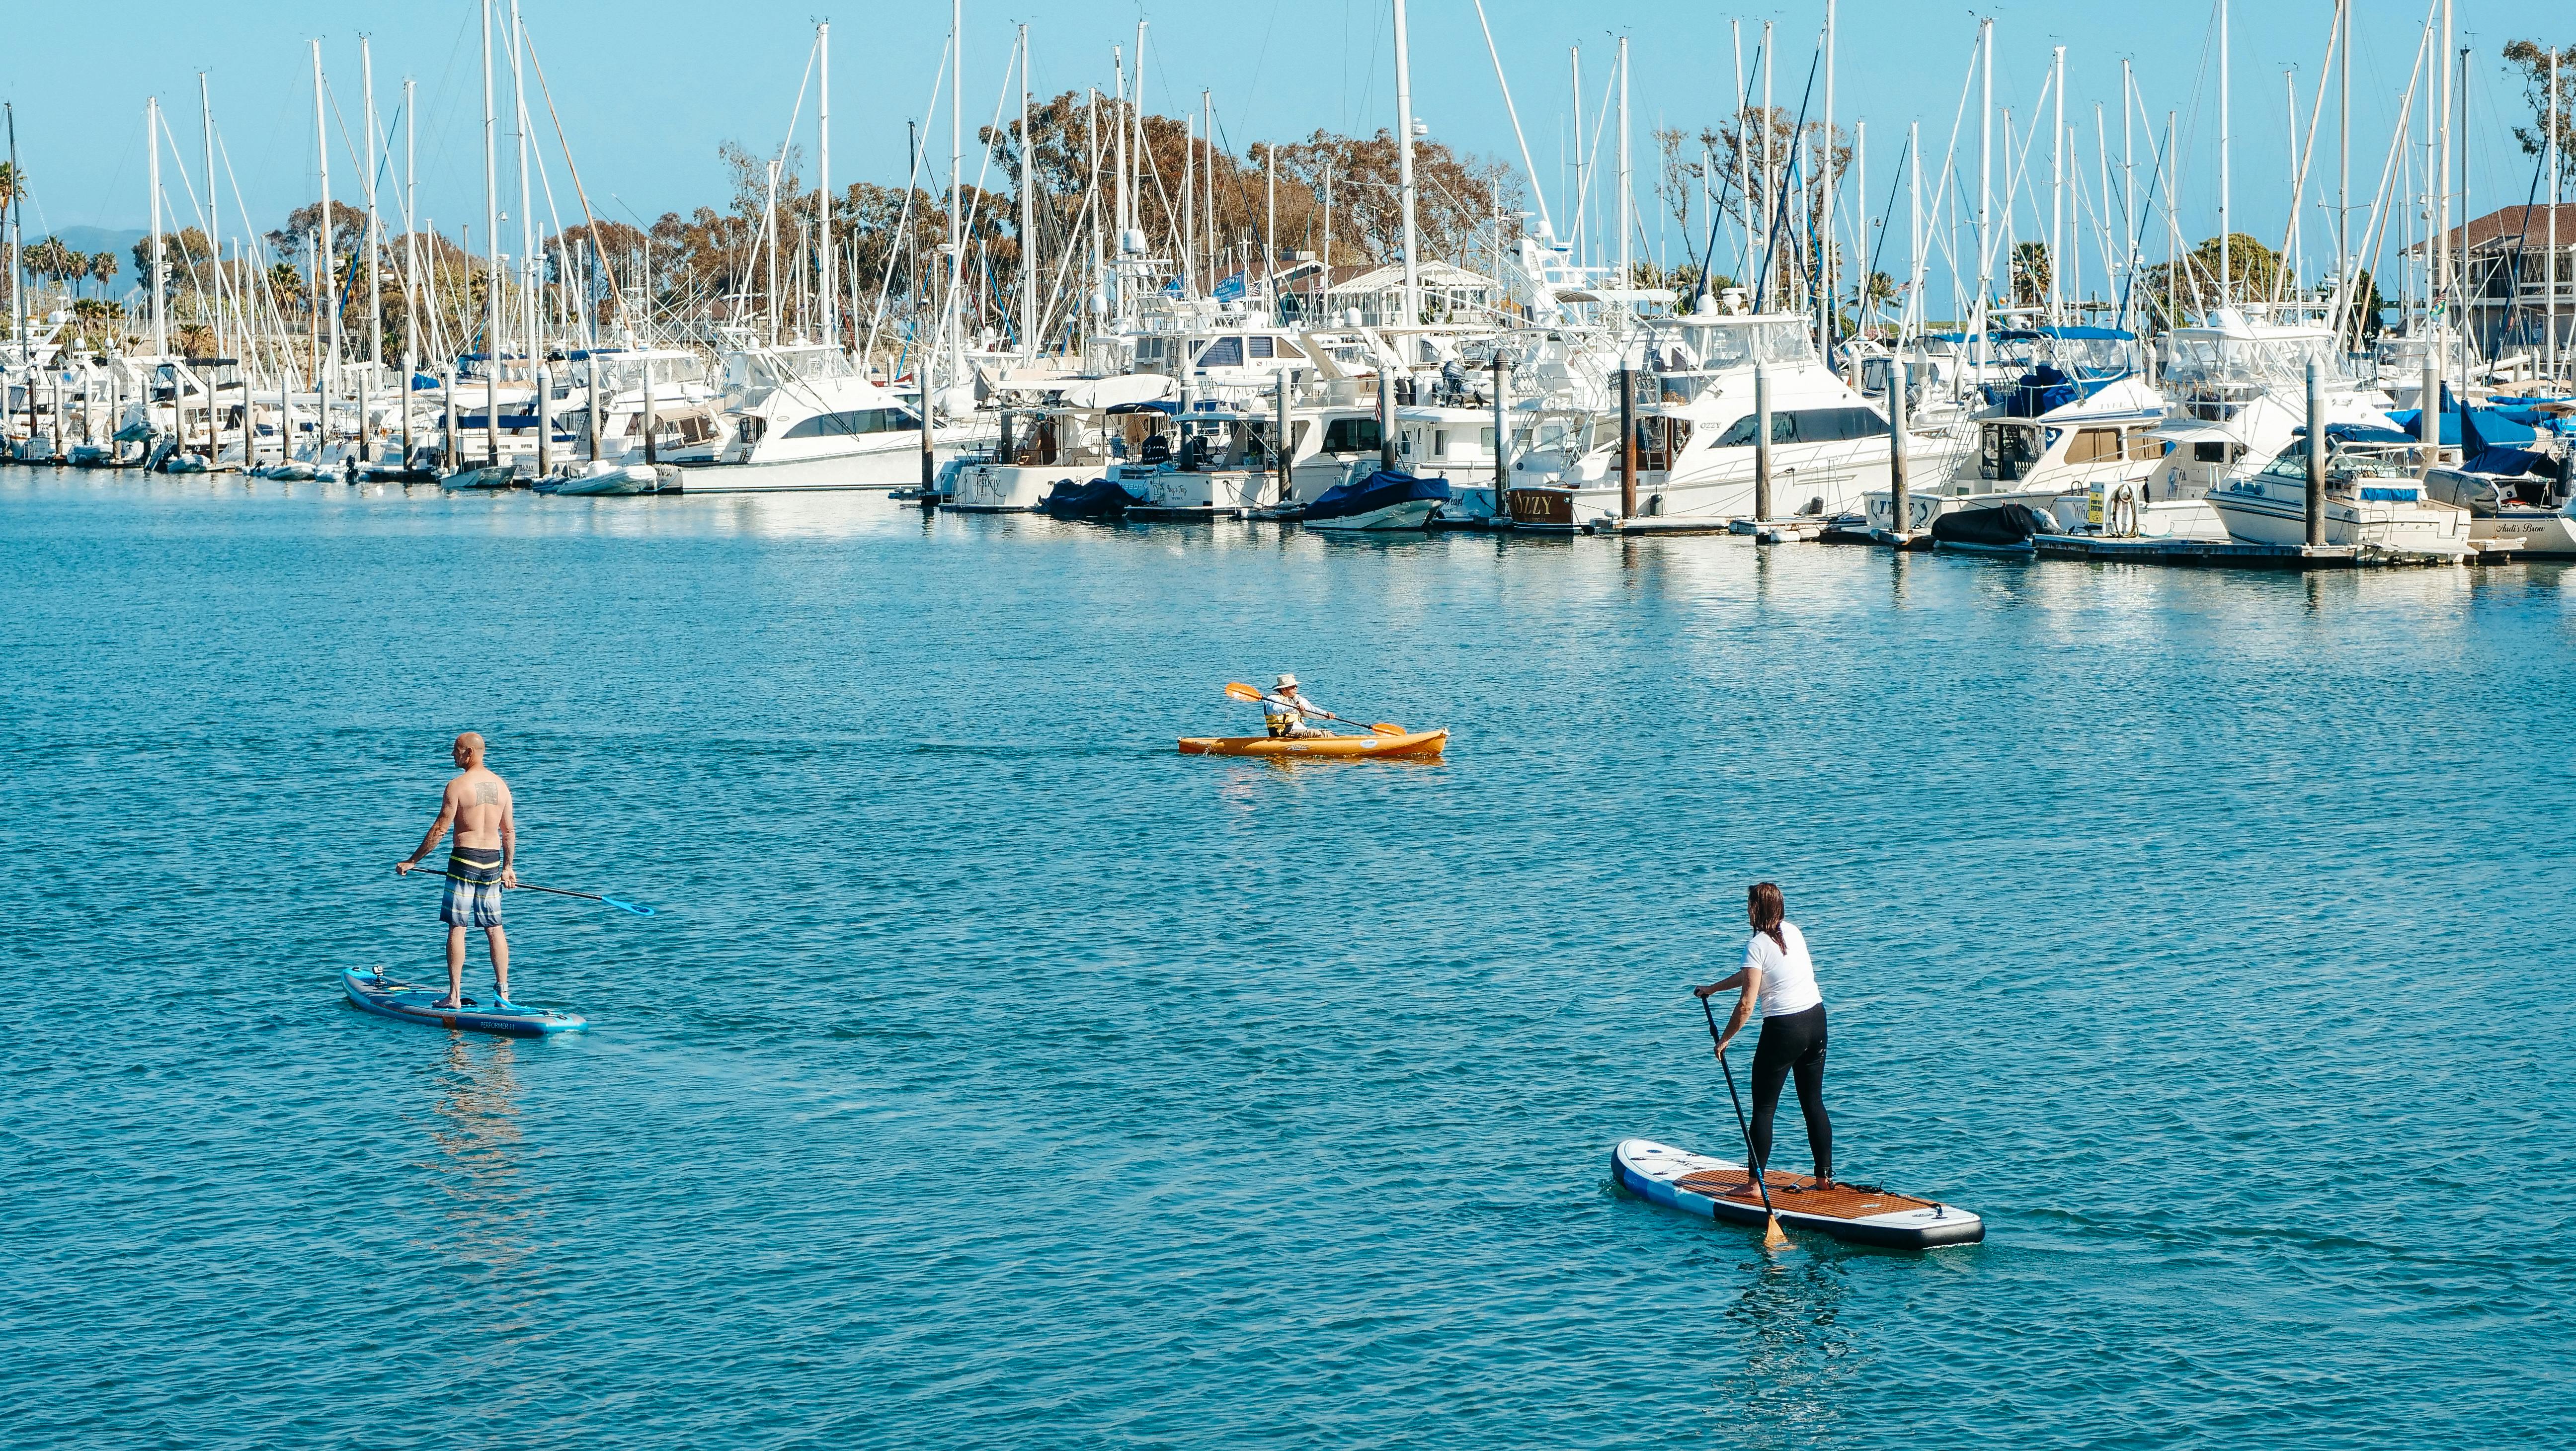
point(469, 750)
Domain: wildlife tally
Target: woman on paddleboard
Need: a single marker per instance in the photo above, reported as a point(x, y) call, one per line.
point(1779, 975)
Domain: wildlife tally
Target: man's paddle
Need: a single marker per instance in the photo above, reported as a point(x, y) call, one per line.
point(1772, 1238)
point(1237, 690)
point(622, 906)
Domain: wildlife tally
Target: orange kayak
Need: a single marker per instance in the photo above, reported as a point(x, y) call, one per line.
point(1417, 744)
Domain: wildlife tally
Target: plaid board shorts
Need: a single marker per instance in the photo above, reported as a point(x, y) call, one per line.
point(473, 896)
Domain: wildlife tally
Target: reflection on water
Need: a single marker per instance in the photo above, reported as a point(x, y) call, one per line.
point(489, 1203)
point(1798, 1352)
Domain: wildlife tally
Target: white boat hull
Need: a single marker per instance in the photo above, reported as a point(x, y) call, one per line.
point(895, 467)
point(2531, 531)
point(2257, 513)
point(986, 488)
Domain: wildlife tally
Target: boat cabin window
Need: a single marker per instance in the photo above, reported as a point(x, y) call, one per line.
point(1806, 425)
point(1440, 449)
point(2215, 453)
point(2094, 445)
point(1262, 347)
point(2006, 451)
point(1485, 442)
point(2144, 445)
point(1223, 353)
point(850, 423)
point(1351, 435)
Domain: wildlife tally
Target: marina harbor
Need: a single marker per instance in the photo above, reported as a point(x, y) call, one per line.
point(1440, 722)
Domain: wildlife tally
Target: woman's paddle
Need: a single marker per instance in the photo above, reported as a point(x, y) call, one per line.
point(1237, 690)
point(1772, 1238)
point(622, 906)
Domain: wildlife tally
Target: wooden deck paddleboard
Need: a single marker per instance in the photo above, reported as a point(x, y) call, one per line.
point(378, 993)
point(1720, 1189)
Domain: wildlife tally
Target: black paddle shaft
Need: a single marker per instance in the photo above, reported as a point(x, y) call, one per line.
point(1743, 1126)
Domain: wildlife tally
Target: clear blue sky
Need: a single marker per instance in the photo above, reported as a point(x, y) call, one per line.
point(648, 89)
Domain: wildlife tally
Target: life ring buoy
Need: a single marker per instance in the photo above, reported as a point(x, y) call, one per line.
point(2124, 514)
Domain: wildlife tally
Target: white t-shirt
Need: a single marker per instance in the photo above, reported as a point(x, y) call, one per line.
point(1788, 978)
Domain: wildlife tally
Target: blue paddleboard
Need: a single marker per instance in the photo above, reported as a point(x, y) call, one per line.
point(378, 993)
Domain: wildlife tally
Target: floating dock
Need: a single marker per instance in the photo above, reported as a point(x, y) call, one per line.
point(2210, 554)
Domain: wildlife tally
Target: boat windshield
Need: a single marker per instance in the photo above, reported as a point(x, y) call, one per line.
point(624, 372)
point(2216, 359)
point(778, 366)
point(1733, 342)
point(2346, 461)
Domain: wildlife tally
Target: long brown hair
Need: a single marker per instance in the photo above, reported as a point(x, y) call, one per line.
point(1767, 909)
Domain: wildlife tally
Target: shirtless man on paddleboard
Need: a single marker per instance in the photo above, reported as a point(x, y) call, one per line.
point(480, 865)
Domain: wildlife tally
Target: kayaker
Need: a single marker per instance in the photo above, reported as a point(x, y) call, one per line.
point(1286, 712)
point(1779, 975)
point(481, 864)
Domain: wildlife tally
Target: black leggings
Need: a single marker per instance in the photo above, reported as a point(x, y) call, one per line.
point(1795, 1043)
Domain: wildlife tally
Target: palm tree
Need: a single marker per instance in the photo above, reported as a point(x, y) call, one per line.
point(102, 268)
point(48, 258)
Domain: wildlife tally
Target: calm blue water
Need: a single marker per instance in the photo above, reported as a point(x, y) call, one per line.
point(994, 1073)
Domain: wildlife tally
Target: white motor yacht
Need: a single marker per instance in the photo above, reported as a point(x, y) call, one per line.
point(2071, 435)
point(1090, 425)
point(2237, 395)
point(1695, 433)
point(2374, 499)
point(799, 416)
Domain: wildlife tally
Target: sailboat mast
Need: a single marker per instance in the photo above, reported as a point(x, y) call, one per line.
point(152, 141)
point(956, 182)
point(1627, 197)
point(492, 252)
point(826, 323)
point(17, 277)
point(1028, 233)
point(527, 210)
point(1824, 202)
point(375, 246)
point(2225, 151)
point(2057, 182)
point(214, 216)
point(411, 273)
point(1404, 171)
point(2343, 148)
point(1913, 232)
point(324, 280)
point(1985, 186)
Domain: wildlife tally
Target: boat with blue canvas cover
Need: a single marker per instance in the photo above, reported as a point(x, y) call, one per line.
point(1384, 499)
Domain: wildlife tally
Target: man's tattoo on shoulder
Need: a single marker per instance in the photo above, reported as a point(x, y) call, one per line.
point(487, 793)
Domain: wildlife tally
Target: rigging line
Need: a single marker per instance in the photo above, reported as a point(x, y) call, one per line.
point(1513, 111)
point(2375, 230)
point(608, 271)
point(1886, 216)
point(1796, 169)
point(903, 217)
point(966, 226)
point(1717, 207)
point(760, 230)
